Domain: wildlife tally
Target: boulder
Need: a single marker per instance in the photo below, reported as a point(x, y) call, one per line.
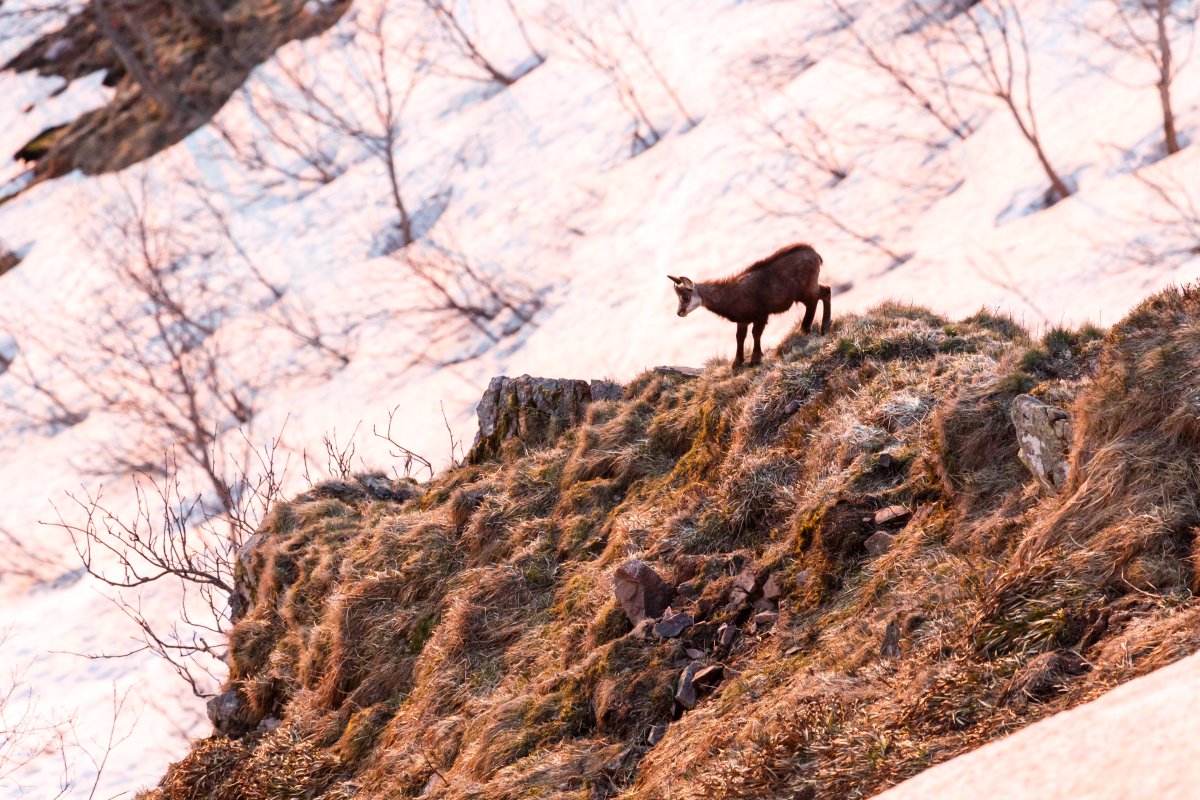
point(640, 591)
point(1044, 439)
point(879, 543)
point(531, 410)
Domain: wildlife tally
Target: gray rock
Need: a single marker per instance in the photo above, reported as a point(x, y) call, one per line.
point(693, 653)
point(1044, 436)
point(606, 390)
point(657, 732)
point(726, 634)
point(640, 591)
point(672, 624)
point(771, 589)
point(879, 543)
point(707, 679)
point(531, 410)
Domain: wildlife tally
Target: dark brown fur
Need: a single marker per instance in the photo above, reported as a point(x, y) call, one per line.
point(770, 286)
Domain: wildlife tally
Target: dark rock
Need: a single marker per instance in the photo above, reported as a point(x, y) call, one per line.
point(230, 714)
point(802, 578)
point(763, 604)
point(672, 624)
point(771, 589)
point(696, 680)
point(694, 654)
point(891, 641)
point(792, 407)
point(530, 410)
point(737, 599)
point(892, 514)
point(726, 634)
point(640, 591)
point(657, 732)
point(708, 678)
point(880, 543)
point(885, 460)
point(1044, 436)
point(686, 694)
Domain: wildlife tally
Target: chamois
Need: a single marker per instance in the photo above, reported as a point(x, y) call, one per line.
point(770, 286)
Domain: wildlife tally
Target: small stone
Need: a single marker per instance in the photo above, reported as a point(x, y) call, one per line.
point(763, 604)
point(640, 591)
point(885, 460)
point(737, 599)
point(885, 516)
point(879, 543)
point(891, 641)
point(269, 725)
point(708, 678)
point(686, 695)
point(726, 635)
point(802, 578)
point(657, 732)
point(771, 589)
point(792, 407)
point(746, 581)
point(694, 654)
point(672, 624)
point(765, 619)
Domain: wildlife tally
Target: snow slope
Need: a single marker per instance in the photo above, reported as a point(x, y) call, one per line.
point(1135, 741)
point(541, 190)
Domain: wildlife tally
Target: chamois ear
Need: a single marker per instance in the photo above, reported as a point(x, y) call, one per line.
point(677, 280)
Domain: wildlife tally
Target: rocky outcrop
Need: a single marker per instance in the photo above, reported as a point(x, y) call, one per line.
point(1044, 435)
point(532, 410)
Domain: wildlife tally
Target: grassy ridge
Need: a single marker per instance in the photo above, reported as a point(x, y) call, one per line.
point(466, 643)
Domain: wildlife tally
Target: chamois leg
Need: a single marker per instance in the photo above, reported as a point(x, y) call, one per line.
point(756, 356)
point(810, 312)
point(740, 358)
point(826, 296)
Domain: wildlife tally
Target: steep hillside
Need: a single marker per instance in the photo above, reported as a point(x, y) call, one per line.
point(878, 580)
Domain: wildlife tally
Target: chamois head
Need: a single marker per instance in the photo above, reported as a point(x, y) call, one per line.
point(689, 298)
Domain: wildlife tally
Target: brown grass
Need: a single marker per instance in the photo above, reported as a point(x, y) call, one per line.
point(466, 644)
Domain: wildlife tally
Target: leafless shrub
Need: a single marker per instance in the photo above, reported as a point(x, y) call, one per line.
point(608, 39)
point(918, 70)
point(408, 458)
point(176, 536)
point(1175, 222)
point(450, 19)
point(1144, 29)
point(992, 41)
point(458, 296)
